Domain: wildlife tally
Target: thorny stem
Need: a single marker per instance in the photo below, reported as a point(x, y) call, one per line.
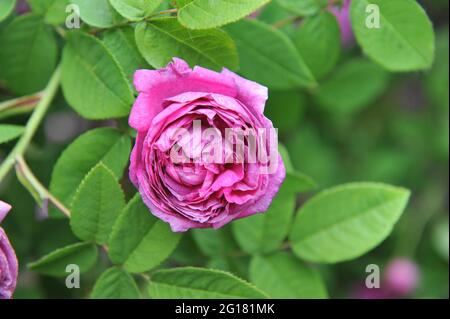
point(32, 124)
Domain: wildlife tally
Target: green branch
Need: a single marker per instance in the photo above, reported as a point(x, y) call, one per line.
point(32, 124)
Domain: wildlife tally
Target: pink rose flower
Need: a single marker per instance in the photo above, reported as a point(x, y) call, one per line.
point(197, 192)
point(342, 15)
point(8, 260)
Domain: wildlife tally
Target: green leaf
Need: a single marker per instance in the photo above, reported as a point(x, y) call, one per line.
point(104, 145)
point(235, 264)
point(265, 232)
point(206, 14)
point(198, 283)
point(6, 8)
point(122, 45)
point(215, 242)
point(352, 86)
point(135, 9)
point(297, 182)
point(54, 11)
point(278, 65)
point(283, 276)
point(404, 40)
point(96, 205)
point(319, 41)
point(285, 109)
point(286, 158)
point(182, 3)
point(27, 54)
point(115, 283)
point(92, 81)
point(9, 132)
point(84, 255)
point(160, 40)
point(98, 13)
point(344, 222)
point(139, 241)
point(303, 7)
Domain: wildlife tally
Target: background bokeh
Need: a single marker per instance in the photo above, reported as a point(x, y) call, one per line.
point(400, 135)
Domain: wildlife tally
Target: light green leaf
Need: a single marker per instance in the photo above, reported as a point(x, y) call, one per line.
point(404, 40)
point(303, 7)
point(9, 132)
point(297, 182)
point(96, 205)
point(215, 242)
point(104, 145)
point(27, 54)
point(98, 13)
point(318, 40)
point(265, 232)
point(122, 45)
point(84, 255)
point(206, 14)
point(115, 283)
point(135, 9)
point(160, 40)
point(54, 11)
point(353, 86)
point(281, 275)
point(268, 56)
point(6, 8)
point(344, 222)
point(139, 241)
point(198, 283)
point(92, 81)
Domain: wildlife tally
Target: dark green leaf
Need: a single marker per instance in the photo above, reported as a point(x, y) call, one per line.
point(27, 54)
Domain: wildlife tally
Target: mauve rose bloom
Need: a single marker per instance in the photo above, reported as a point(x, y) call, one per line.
point(342, 15)
point(8, 260)
point(197, 194)
point(401, 277)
